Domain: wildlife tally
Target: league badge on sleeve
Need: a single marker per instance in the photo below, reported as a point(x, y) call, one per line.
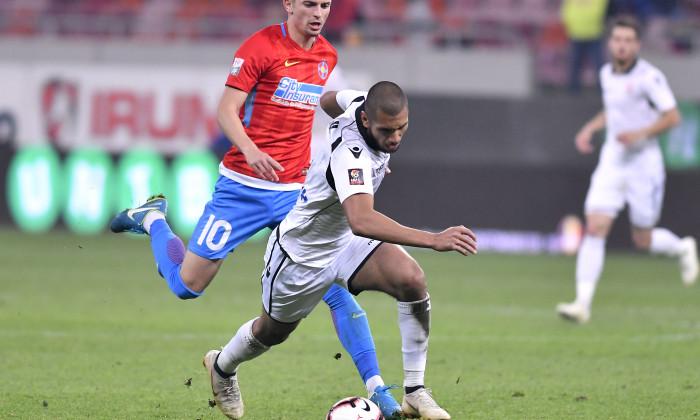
point(236, 66)
point(356, 177)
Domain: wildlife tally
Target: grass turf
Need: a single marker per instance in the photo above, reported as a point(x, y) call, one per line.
point(89, 330)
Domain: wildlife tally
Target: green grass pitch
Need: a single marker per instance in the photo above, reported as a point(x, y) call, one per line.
point(89, 330)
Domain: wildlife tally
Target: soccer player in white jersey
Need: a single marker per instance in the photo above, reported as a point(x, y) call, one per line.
point(333, 235)
point(638, 105)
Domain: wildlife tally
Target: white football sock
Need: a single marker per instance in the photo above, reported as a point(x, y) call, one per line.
point(664, 242)
point(373, 383)
point(589, 266)
point(414, 323)
point(242, 347)
point(151, 217)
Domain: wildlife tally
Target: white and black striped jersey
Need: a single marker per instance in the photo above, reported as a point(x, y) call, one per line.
point(316, 231)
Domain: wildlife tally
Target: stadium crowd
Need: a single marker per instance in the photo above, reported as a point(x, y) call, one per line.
point(674, 24)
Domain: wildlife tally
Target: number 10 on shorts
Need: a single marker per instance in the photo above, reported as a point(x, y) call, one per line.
point(211, 229)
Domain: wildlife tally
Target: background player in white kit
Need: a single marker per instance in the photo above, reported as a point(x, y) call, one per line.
point(334, 235)
point(638, 105)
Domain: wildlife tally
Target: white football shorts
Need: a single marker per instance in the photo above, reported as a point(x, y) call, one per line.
point(642, 189)
point(291, 291)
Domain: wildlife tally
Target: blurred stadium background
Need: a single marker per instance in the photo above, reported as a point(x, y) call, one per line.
point(106, 101)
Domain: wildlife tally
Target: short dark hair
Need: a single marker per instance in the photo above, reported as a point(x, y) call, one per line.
point(627, 21)
point(387, 97)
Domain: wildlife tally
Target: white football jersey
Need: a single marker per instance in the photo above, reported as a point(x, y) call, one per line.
point(316, 231)
point(633, 100)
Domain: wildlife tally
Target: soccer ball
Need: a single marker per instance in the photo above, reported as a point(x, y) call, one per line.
point(355, 408)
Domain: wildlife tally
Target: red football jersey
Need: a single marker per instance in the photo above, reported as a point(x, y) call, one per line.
point(284, 84)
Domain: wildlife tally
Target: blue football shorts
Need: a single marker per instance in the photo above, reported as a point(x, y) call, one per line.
point(235, 213)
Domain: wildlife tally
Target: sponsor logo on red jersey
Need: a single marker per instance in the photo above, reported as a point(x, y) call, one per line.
point(291, 92)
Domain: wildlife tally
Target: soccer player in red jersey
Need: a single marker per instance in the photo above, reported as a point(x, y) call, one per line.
point(267, 112)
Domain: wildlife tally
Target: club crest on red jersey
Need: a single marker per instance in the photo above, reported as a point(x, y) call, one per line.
point(356, 177)
point(323, 70)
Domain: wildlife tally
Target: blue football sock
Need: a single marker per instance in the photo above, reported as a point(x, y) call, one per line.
point(169, 251)
point(352, 328)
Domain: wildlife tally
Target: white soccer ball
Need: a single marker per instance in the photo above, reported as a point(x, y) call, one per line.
point(355, 408)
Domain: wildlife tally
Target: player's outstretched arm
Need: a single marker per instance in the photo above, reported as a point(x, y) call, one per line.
point(227, 116)
point(369, 223)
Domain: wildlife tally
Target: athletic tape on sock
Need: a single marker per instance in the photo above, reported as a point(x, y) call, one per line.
point(417, 307)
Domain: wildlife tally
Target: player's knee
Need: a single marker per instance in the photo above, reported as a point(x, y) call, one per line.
point(641, 241)
point(197, 272)
point(197, 283)
point(599, 231)
point(193, 284)
point(412, 285)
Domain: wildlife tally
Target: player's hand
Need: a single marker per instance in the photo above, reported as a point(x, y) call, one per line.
point(630, 137)
point(456, 238)
point(583, 141)
point(263, 165)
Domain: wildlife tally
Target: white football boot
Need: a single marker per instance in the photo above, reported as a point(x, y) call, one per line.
point(688, 261)
point(226, 392)
point(576, 312)
point(420, 404)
